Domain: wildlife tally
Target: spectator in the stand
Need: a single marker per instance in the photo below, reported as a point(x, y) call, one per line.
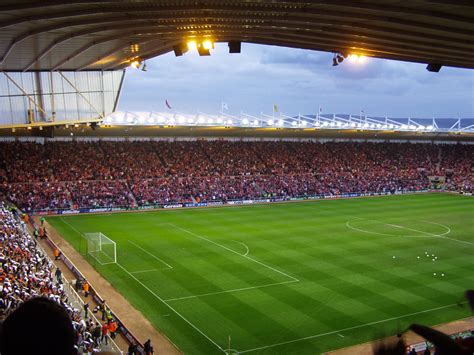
point(105, 331)
point(124, 174)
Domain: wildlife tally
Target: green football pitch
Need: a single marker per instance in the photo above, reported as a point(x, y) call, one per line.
point(290, 278)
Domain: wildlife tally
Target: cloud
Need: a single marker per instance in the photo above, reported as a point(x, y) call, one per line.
point(299, 81)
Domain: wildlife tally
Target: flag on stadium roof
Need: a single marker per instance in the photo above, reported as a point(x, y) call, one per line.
point(168, 104)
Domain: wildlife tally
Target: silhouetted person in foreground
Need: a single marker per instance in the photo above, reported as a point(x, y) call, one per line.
point(443, 343)
point(39, 326)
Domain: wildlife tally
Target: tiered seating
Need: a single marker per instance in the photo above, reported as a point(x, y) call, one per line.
point(124, 173)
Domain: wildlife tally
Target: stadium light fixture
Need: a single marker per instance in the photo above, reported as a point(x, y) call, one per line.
point(135, 62)
point(293, 123)
point(430, 127)
point(230, 122)
point(280, 122)
point(192, 45)
point(181, 119)
point(255, 122)
point(304, 123)
point(332, 124)
point(210, 121)
point(201, 120)
point(245, 121)
point(270, 122)
point(219, 120)
point(207, 44)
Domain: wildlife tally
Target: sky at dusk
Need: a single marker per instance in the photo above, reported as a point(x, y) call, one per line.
point(298, 81)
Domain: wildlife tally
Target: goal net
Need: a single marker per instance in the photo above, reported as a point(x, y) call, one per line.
point(101, 248)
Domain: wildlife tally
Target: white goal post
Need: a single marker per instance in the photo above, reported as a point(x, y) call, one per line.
point(101, 248)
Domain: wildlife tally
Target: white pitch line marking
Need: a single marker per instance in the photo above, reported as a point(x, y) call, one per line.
point(427, 235)
point(141, 271)
point(448, 230)
point(233, 251)
point(342, 336)
point(175, 311)
point(246, 247)
point(153, 256)
point(349, 328)
point(229, 291)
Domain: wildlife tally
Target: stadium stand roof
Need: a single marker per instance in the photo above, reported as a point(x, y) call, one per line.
point(106, 34)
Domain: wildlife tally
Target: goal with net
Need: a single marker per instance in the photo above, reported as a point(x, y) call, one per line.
point(101, 248)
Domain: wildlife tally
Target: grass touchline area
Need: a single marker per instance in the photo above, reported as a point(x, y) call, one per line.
point(303, 277)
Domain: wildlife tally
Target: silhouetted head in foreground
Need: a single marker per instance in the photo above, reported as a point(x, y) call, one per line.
point(39, 326)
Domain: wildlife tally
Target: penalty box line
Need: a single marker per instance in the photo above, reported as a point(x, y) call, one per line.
point(172, 309)
point(349, 328)
point(230, 291)
point(152, 255)
point(294, 279)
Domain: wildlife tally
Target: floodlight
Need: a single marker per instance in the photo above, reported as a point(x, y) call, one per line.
point(303, 123)
point(203, 52)
point(230, 122)
point(207, 44)
point(219, 120)
point(353, 124)
point(201, 120)
point(192, 45)
point(404, 126)
point(135, 64)
point(325, 124)
point(119, 119)
point(293, 123)
point(270, 122)
point(181, 119)
point(412, 126)
point(280, 122)
point(129, 120)
point(245, 121)
point(378, 125)
point(151, 120)
point(317, 124)
point(391, 126)
point(190, 120)
point(372, 125)
point(430, 127)
point(141, 119)
point(161, 119)
point(210, 121)
point(255, 122)
point(332, 124)
point(339, 124)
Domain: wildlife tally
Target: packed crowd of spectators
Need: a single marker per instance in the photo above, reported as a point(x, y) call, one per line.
point(58, 174)
point(26, 273)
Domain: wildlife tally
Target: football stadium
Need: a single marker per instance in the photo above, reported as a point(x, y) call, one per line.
point(262, 222)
